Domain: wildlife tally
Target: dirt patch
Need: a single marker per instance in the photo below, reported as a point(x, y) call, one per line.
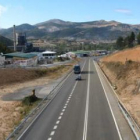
point(125, 75)
point(14, 79)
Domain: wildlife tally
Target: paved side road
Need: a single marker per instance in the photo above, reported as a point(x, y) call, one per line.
point(80, 111)
point(41, 91)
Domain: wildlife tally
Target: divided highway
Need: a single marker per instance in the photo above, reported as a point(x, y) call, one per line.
point(80, 111)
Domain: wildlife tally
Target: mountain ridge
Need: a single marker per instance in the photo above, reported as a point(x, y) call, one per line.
point(100, 30)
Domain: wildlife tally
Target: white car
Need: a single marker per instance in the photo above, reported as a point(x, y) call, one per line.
point(78, 77)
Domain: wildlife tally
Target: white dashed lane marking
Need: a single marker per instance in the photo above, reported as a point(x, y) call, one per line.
point(61, 113)
point(65, 106)
point(57, 122)
point(59, 117)
point(55, 127)
point(63, 110)
point(52, 133)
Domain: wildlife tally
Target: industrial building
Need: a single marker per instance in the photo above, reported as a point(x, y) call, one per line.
point(20, 39)
point(21, 44)
point(22, 59)
point(49, 54)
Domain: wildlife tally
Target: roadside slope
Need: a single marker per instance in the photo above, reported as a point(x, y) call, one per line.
point(125, 55)
point(123, 70)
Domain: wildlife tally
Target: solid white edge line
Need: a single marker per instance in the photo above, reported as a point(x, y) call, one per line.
point(87, 106)
point(38, 114)
point(109, 104)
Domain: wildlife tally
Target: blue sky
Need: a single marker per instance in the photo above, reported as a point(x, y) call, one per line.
point(35, 11)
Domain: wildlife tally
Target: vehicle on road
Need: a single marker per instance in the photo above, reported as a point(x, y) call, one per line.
point(77, 69)
point(78, 77)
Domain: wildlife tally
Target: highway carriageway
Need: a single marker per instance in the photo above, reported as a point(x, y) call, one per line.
point(81, 110)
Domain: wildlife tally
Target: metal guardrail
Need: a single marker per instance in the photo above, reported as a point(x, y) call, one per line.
point(133, 125)
point(130, 120)
point(49, 97)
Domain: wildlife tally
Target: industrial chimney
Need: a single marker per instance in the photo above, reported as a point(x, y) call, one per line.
point(14, 37)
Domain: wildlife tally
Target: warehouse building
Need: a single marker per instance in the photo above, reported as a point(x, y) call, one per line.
point(49, 54)
point(22, 59)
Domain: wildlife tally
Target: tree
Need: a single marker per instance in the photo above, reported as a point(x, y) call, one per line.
point(138, 38)
point(131, 40)
point(4, 49)
point(120, 43)
point(126, 41)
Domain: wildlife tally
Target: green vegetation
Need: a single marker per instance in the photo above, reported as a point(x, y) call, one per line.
point(4, 42)
point(138, 38)
point(30, 99)
point(127, 42)
point(66, 47)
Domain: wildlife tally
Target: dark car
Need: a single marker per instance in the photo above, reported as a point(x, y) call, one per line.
point(77, 69)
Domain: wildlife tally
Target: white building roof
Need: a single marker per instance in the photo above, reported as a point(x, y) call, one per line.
point(48, 52)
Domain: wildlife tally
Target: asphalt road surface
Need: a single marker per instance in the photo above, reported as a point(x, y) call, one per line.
point(80, 111)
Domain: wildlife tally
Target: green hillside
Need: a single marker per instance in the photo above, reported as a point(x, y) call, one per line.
point(4, 42)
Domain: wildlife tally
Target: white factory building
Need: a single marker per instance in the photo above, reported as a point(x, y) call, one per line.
point(49, 54)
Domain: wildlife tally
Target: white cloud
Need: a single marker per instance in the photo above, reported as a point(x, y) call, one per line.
point(2, 9)
point(125, 11)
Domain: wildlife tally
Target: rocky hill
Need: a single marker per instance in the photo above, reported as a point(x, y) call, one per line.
point(101, 30)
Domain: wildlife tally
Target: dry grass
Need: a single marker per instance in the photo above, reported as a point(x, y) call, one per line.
point(8, 76)
point(125, 74)
point(125, 55)
point(12, 79)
